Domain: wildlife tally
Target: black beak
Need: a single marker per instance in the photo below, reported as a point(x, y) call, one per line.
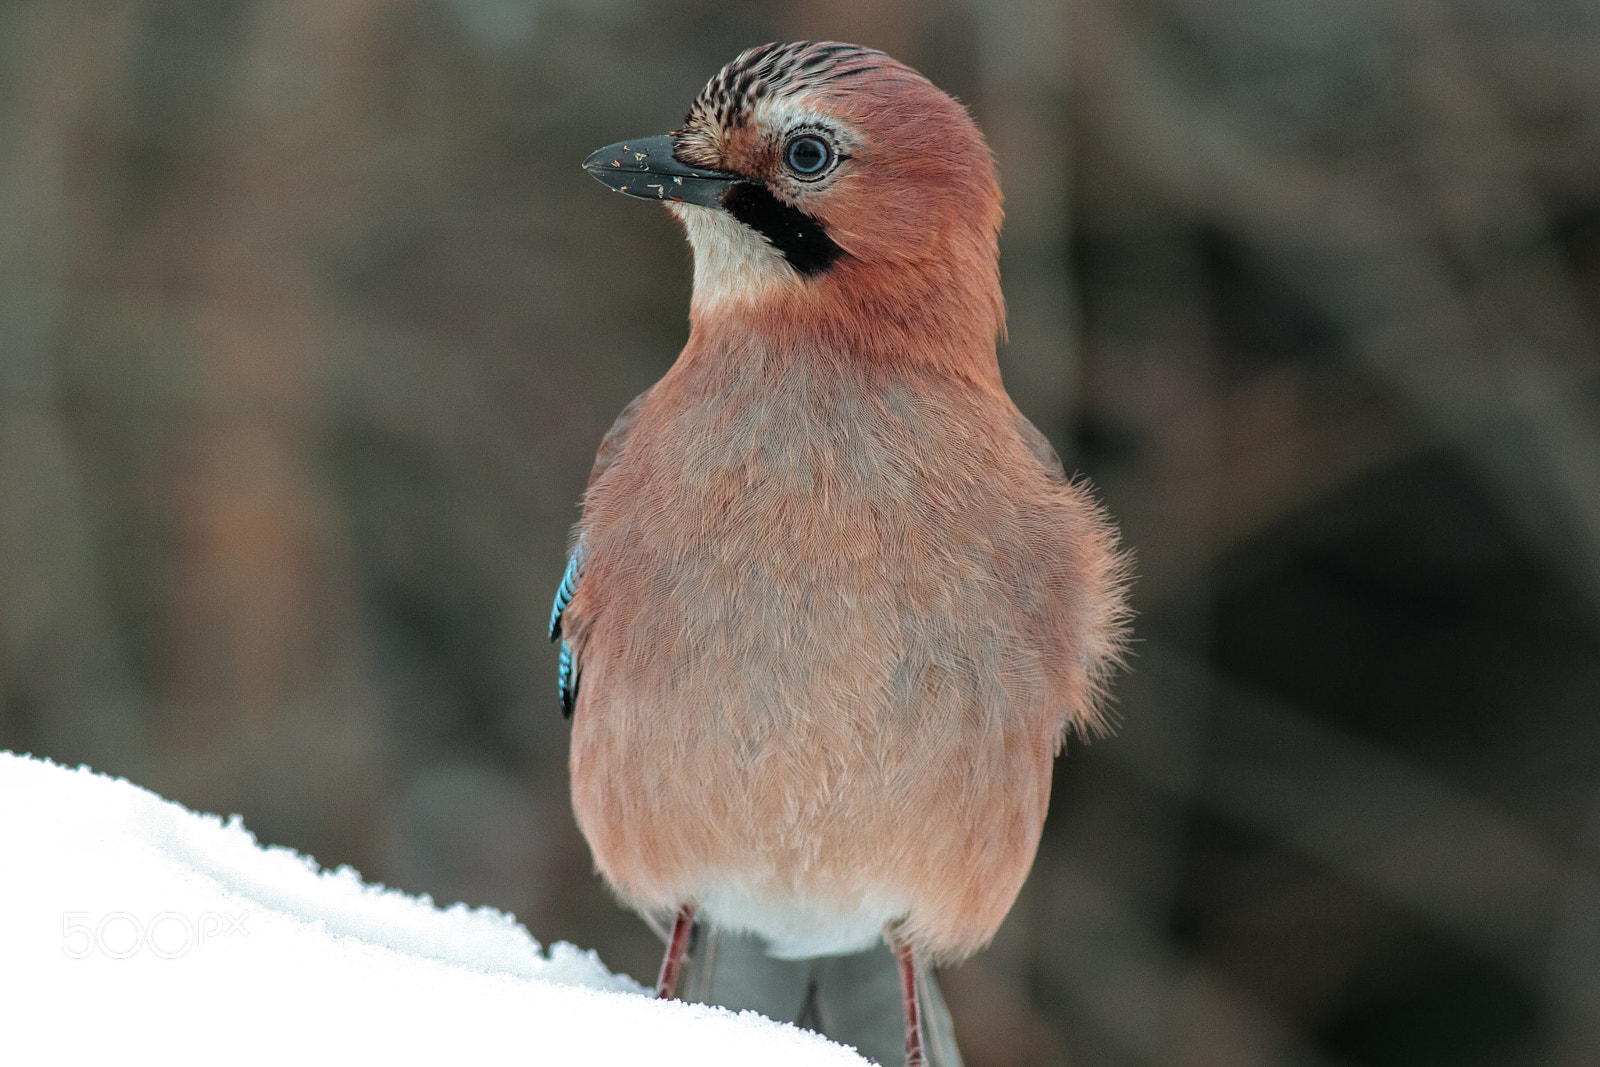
point(647, 169)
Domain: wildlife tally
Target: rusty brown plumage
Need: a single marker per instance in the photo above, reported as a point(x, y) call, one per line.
point(839, 605)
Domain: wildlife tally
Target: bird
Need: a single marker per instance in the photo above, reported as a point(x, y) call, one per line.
point(833, 604)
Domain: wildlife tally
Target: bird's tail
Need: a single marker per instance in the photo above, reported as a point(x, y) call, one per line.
point(854, 999)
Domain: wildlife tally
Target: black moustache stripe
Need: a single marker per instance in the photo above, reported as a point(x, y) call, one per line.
point(801, 238)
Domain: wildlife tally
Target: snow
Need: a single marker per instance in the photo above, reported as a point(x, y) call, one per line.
point(133, 930)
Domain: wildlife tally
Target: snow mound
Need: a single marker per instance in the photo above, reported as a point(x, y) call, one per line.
point(133, 930)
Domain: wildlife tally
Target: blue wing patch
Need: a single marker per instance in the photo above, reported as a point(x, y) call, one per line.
point(568, 678)
point(568, 586)
point(568, 670)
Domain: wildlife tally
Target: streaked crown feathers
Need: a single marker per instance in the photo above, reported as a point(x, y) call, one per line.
point(729, 98)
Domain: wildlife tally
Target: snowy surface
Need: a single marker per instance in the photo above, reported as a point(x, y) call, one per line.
point(133, 930)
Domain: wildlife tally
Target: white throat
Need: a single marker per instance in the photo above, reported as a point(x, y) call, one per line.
point(732, 263)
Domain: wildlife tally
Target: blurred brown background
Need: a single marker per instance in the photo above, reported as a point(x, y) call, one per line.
point(310, 325)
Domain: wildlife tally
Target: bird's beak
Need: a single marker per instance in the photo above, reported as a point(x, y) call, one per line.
point(647, 169)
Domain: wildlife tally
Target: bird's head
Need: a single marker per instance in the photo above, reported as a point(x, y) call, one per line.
point(827, 188)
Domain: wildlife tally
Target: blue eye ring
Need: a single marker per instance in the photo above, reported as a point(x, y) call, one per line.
point(808, 155)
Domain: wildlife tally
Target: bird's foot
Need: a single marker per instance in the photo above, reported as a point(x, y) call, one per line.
point(903, 954)
point(672, 963)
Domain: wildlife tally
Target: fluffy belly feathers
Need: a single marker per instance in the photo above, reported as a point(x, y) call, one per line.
point(843, 706)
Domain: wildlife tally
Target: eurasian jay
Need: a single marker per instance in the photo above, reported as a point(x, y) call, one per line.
point(833, 604)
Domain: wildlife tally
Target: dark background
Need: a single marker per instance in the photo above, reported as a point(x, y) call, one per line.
point(310, 325)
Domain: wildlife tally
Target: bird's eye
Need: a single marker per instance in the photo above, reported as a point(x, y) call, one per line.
point(808, 155)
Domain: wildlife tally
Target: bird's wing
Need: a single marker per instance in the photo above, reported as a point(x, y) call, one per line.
point(567, 671)
point(611, 446)
point(1042, 449)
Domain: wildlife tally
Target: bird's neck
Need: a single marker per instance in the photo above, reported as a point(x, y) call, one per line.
point(937, 316)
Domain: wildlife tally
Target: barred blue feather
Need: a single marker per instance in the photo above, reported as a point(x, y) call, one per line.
point(564, 591)
point(567, 677)
point(567, 671)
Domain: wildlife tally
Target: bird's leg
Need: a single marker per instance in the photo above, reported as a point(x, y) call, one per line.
point(672, 963)
point(908, 998)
